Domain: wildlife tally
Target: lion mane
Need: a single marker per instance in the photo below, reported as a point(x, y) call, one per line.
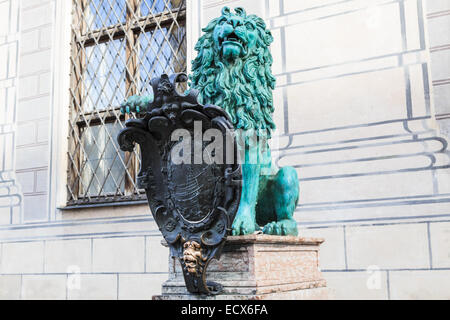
point(242, 87)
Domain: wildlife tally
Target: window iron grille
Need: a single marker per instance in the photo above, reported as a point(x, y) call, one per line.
point(118, 46)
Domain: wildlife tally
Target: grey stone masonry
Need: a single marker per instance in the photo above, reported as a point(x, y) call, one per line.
point(35, 107)
point(10, 194)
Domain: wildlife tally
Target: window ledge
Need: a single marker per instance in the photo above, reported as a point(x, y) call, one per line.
point(103, 205)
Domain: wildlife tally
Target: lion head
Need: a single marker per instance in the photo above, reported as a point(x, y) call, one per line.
point(233, 69)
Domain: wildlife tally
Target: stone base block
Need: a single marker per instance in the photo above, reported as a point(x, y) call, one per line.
point(258, 267)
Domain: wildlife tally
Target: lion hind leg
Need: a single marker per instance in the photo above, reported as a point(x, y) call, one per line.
point(285, 194)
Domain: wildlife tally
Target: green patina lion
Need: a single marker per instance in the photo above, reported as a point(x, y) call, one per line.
point(233, 70)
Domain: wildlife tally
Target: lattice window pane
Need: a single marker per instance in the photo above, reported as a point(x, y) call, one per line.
point(156, 55)
point(148, 6)
point(104, 75)
point(102, 161)
point(103, 13)
point(117, 47)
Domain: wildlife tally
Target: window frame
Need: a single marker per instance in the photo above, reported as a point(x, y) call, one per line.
point(129, 31)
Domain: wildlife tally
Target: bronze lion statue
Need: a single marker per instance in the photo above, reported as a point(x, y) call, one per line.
point(233, 70)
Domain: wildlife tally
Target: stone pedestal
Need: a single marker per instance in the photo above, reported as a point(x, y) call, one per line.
point(258, 267)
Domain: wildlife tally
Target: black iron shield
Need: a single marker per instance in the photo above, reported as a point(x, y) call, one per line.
point(191, 174)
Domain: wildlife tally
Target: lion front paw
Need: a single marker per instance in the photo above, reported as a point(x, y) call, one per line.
point(243, 225)
point(136, 104)
point(281, 228)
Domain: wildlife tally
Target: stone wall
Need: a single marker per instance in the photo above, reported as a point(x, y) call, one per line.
point(10, 194)
point(356, 116)
point(358, 90)
point(34, 106)
point(438, 18)
point(47, 253)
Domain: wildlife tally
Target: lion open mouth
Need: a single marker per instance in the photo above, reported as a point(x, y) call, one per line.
point(232, 38)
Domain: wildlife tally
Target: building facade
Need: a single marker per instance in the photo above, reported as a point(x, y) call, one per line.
point(361, 107)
